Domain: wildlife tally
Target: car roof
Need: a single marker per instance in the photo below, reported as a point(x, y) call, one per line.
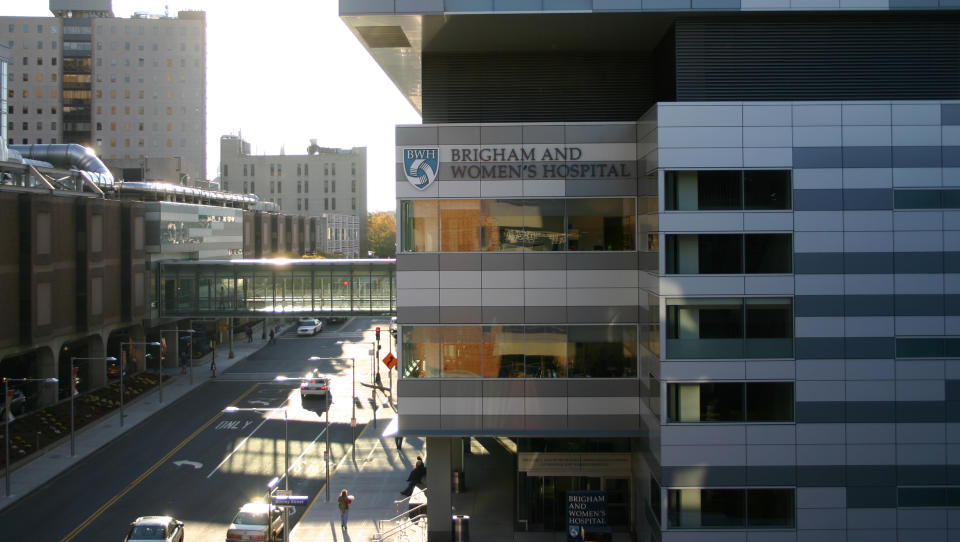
point(153, 520)
point(255, 507)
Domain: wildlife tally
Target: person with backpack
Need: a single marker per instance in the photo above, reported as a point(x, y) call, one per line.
point(343, 502)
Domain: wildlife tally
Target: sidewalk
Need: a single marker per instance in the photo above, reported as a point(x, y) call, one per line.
point(375, 479)
point(56, 459)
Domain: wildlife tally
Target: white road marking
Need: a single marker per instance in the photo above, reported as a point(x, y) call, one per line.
point(242, 442)
point(195, 464)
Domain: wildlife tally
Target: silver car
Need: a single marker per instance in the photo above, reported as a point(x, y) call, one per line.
point(314, 385)
point(309, 327)
point(256, 521)
point(153, 528)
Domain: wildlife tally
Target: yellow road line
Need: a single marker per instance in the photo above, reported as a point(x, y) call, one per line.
point(86, 523)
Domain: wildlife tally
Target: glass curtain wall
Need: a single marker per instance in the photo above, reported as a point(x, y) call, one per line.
point(511, 225)
point(582, 351)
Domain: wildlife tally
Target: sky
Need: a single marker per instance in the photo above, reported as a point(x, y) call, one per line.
point(284, 75)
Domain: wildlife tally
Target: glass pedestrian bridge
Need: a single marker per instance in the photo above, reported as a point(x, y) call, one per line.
point(234, 288)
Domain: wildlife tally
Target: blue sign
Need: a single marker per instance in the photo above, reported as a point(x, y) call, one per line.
point(421, 165)
point(289, 500)
point(586, 512)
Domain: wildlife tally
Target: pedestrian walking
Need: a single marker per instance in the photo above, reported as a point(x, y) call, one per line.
point(272, 339)
point(249, 333)
point(343, 502)
point(398, 440)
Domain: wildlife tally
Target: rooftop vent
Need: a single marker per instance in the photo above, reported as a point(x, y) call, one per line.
point(379, 37)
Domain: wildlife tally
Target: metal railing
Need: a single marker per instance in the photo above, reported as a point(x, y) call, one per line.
point(406, 526)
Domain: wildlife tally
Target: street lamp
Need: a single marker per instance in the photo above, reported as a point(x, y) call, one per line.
point(7, 420)
point(189, 361)
point(286, 457)
point(326, 454)
point(124, 370)
point(73, 391)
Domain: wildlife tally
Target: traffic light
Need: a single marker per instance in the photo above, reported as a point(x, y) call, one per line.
point(378, 334)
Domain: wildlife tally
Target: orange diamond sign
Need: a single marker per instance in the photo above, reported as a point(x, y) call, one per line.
point(390, 360)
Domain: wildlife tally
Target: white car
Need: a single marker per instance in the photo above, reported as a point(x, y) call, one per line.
point(314, 385)
point(309, 327)
point(155, 528)
point(252, 522)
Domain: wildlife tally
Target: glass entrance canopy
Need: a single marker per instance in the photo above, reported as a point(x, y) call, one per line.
point(277, 286)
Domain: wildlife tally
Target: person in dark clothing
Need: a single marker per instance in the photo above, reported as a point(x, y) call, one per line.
point(417, 476)
point(398, 440)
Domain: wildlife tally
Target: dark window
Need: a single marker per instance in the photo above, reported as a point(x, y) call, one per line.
point(655, 499)
point(768, 253)
point(601, 224)
point(766, 190)
point(916, 199)
point(718, 190)
point(602, 352)
point(768, 319)
point(770, 401)
point(950, 199)
point(730, 402)
point(770, 508)
point(725, 508)
point(719, 254)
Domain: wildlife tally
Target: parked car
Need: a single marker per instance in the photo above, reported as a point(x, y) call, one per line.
point(256, 521)
point(314, 384)
point(155, 528)
point(18, 403)
point(309, 327)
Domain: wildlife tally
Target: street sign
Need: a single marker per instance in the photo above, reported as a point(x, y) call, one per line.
point(289, 500)
point(390, 360)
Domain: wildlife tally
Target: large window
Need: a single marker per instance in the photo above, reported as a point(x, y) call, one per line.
point(766, 508)
point(520, 351)
point(509, 225)
point(706, 254)
point(721, 328)
point(727, 190)
point(730, 402)
point(600, 224)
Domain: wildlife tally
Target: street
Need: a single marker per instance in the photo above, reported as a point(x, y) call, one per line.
point(198, 463)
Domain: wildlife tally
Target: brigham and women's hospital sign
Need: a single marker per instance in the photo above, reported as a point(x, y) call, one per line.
point(422, 165)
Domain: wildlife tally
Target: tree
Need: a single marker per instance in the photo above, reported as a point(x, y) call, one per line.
point(382, 234)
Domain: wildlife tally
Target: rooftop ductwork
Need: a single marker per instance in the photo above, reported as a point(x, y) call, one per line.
point(72, 156)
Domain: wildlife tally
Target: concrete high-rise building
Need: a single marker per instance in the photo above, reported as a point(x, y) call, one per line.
point(693, 265)
point(324, 182)
point(131, 89)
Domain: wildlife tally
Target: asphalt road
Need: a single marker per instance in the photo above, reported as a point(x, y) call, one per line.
point(198, 463)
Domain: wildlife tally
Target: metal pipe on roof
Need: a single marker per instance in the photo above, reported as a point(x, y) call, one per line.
point(69, 155)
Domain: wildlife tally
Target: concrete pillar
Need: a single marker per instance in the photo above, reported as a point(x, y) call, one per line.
point(439, 506)
point(46, 367)
point(97, 366)
point(456, 454)
point(173, 348)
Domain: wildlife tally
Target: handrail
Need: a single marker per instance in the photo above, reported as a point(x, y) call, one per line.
point(399, 527)
point(396, 504)
point(401, 515)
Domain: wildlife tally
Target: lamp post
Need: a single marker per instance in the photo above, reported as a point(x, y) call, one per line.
point(286, 456)
point(189, 360)
point(73, 391)
point(326, 453)
point(7, 420)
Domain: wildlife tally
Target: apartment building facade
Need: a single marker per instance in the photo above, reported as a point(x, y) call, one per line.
point(327, 183)
point(698, 261)
point(130, 88)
